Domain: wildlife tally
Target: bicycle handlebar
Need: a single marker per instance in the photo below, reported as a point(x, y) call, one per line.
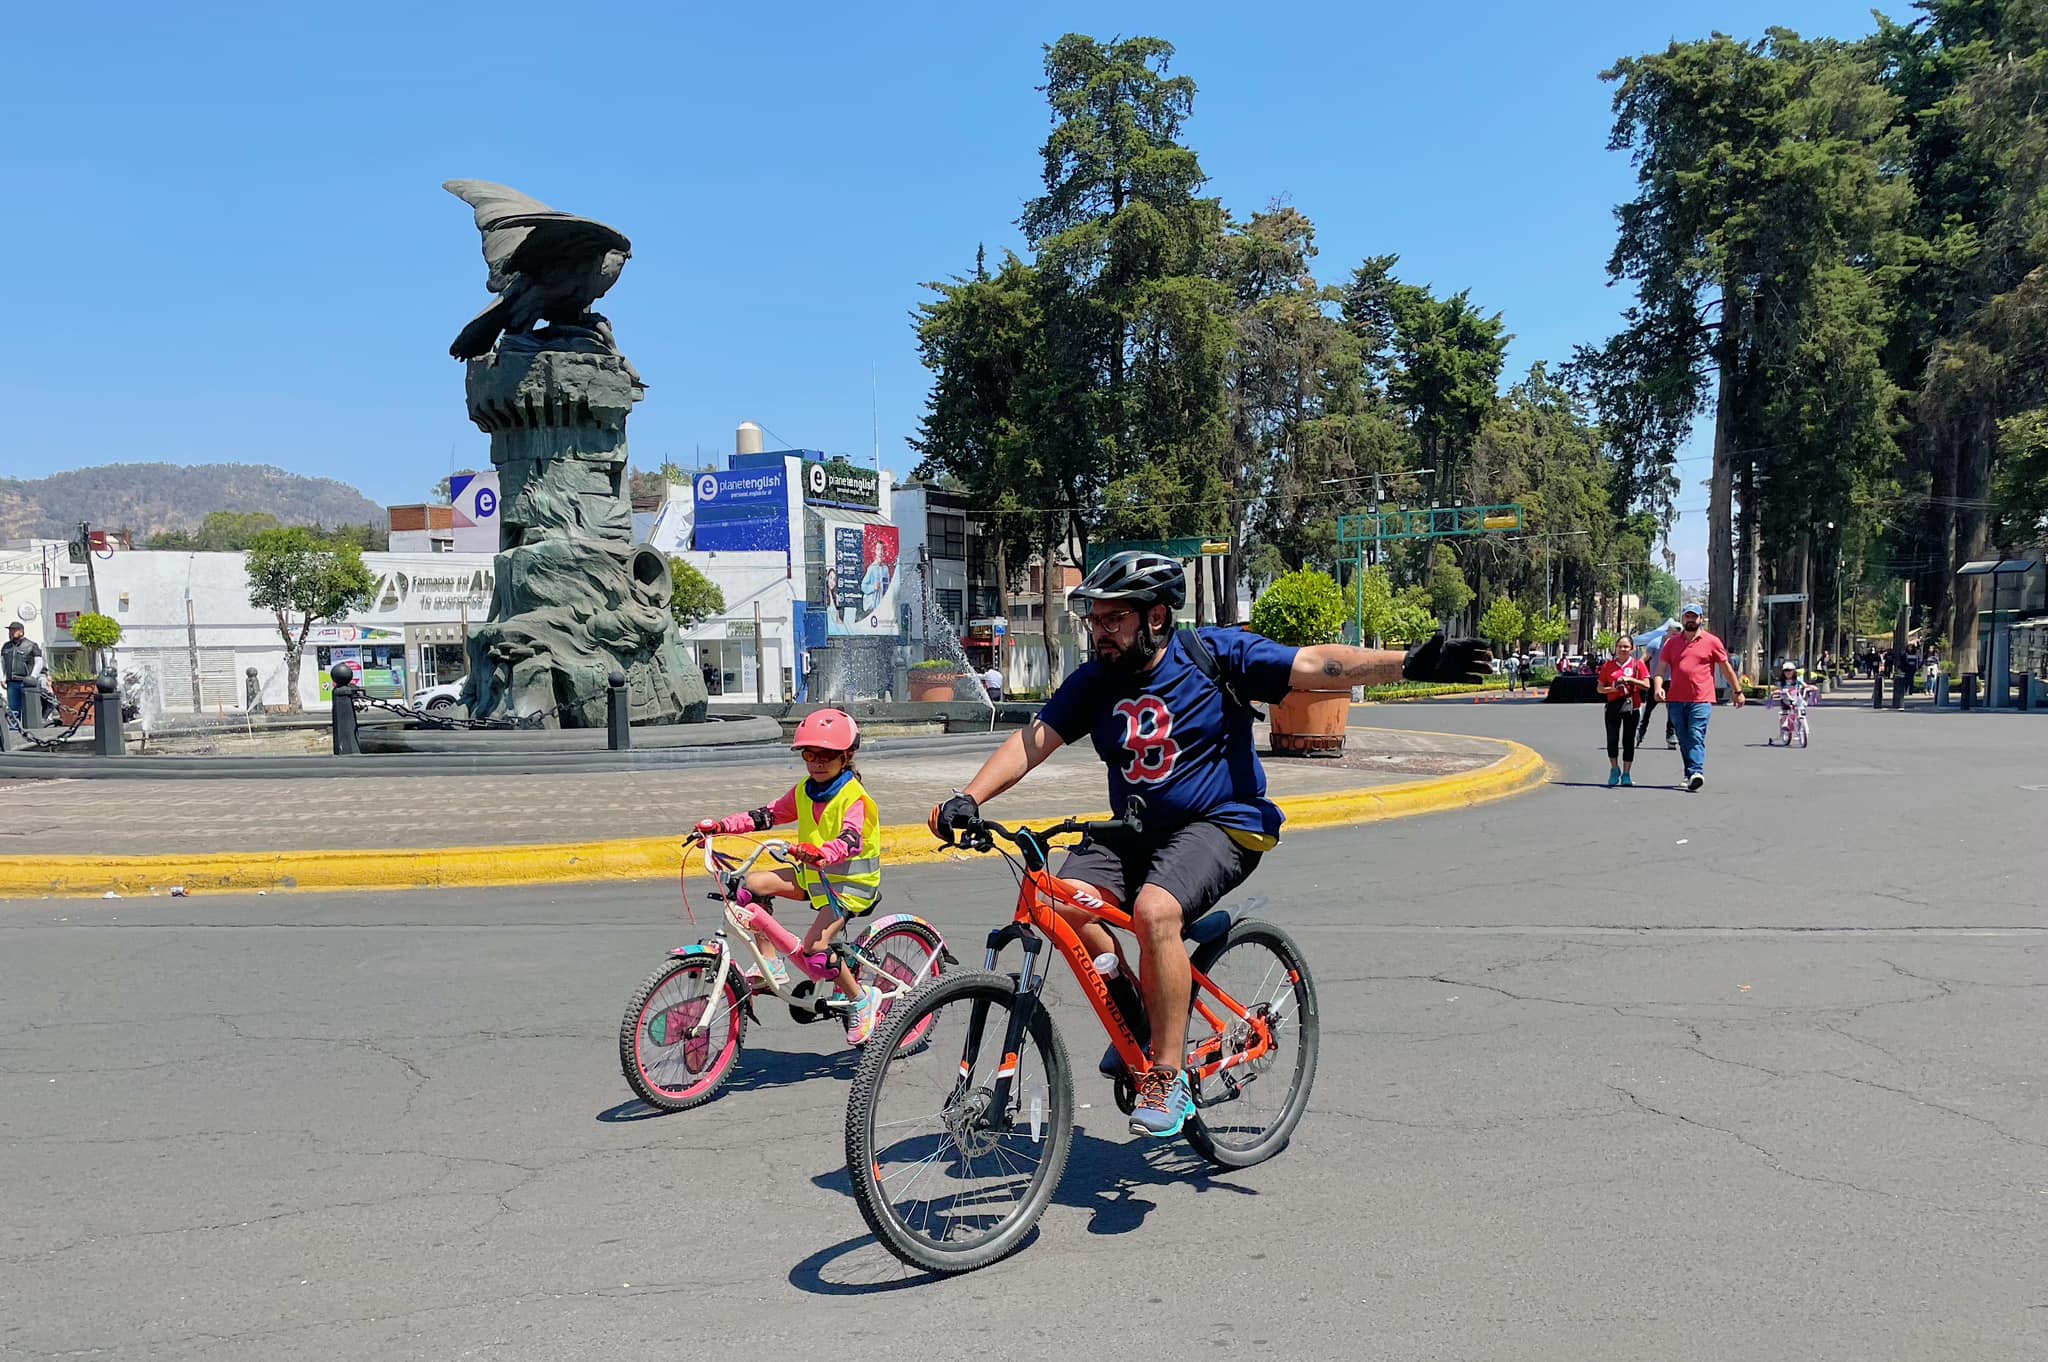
point(979, 835)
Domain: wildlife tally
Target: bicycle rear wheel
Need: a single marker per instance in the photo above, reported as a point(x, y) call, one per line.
point(899, 954)
point(946, 1180)
point(1247, 1114)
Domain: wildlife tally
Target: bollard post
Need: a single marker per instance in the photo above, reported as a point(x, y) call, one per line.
point(1969, 690)
point(1877, 692)
point(618, 718)
point(11, 741)
point(345, 744)
point(106, 715)
point(2026, 695)
point(251, 688)
point(1899, 684)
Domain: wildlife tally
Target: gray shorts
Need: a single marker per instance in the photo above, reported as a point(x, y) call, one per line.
point(1197, 864)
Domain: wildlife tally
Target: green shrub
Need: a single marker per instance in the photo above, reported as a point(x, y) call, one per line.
point(938, 664)
point(96, 631)
point(1302, 610)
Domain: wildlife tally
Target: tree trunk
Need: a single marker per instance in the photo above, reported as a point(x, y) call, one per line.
point(1720, 495)
point(1226, 590)
point(1201, 591)
point(1973, 537)
point(291, 681)
point(1002, 646)
point(1046, 594)
point(1741, 637)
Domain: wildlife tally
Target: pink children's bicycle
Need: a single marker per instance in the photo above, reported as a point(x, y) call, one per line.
point(1789, 706)
point(681, 1034)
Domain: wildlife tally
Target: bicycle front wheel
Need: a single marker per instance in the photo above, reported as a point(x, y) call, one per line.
point(950, 1169)
point(1247, 1113)
point(682, 1033)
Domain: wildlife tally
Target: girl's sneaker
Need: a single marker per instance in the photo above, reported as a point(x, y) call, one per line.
point(1614, 777)
point(773, 974)
point(1625, 779)
point(860, 1022)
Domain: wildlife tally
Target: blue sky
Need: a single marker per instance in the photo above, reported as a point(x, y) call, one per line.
point(226, 238)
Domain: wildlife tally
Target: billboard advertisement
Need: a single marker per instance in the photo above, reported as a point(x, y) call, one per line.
point(742, 509)
point(860, 579)
point(474, 499)
point(835, 482)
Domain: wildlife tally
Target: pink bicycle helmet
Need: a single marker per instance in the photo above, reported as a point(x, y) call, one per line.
point(832, 729)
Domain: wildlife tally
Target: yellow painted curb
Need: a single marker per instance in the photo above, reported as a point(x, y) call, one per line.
point(642, 858)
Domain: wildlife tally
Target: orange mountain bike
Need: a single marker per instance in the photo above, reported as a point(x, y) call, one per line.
point(955, 1150)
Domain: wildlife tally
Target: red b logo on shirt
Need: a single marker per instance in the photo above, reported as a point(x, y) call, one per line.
point(1148, 737)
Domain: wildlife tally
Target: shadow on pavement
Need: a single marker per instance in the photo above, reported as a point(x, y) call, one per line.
point(862, 1267)
point(1102, 1177)
point(754, 1071)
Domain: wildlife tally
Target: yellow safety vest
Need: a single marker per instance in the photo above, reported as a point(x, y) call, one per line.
point(857, 883)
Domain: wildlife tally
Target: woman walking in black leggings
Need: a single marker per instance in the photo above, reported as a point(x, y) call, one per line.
point(1624, 682)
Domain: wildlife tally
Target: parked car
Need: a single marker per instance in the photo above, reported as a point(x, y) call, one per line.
point(438, 699)
point(1573, 663)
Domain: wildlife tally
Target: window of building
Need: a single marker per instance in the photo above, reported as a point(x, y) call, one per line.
point(950, 603)
point(947, 534)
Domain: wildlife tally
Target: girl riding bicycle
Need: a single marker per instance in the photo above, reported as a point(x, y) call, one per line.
point(839, 843)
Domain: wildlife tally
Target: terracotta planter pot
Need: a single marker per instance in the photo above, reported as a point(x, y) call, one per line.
point(1308, 724)
point(932, 685)
point(74, 700)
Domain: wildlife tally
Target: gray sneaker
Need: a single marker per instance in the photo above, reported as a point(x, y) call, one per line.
point(1694, 781)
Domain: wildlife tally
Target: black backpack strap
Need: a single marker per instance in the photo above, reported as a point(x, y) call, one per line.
point(1204, 657)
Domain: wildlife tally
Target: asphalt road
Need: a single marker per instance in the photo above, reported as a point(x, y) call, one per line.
point(1757, 1072)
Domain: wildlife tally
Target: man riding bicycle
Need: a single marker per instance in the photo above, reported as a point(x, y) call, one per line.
point(1169, 713)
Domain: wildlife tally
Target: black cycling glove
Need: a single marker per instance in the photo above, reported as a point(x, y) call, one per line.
point(953, 815)
point(1454, 661)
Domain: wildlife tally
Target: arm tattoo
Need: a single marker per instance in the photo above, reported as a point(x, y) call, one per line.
point(1333, 668)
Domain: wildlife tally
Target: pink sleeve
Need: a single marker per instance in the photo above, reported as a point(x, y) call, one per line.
point(781, 811)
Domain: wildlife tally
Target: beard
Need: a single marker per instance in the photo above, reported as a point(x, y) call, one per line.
point(1129, 660)
point(1693, 628)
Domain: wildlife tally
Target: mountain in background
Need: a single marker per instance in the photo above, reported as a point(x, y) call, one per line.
point(147, 498)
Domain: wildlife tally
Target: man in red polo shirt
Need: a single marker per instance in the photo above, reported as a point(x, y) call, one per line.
point(1685, 683)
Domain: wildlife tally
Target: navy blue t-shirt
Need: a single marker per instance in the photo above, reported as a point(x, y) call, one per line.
point(1170, 736)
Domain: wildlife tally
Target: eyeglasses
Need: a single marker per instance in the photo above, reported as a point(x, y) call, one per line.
point(1106, 621)
point(818, 753)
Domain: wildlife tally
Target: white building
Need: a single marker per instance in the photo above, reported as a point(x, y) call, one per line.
point(188, 628)
point(27, 568)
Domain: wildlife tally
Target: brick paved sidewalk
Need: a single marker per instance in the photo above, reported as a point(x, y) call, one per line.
point(192, 817)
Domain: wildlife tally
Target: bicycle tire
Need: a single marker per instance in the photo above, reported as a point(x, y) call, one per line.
point(1291, 971)
point(717, 1067)
point(937, 1062)
point(875, 946)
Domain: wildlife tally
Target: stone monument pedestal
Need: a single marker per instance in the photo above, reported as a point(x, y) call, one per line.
point(575, 597)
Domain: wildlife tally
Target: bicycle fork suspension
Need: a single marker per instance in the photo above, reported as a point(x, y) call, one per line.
point(1001, 1107)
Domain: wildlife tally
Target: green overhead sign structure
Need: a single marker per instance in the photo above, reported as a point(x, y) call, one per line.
point(1193, 547)
point(1375, 528)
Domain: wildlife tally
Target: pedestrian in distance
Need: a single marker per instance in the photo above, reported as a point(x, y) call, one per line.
point(21, 661)
point(992, 682)
point(1686, 668)
point(1650, 701)
point(1624, 681)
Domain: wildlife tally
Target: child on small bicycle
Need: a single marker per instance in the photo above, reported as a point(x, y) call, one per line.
point(1791, 692)
point(838, 844)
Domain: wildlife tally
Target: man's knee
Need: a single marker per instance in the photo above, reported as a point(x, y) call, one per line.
point(1156, 912)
